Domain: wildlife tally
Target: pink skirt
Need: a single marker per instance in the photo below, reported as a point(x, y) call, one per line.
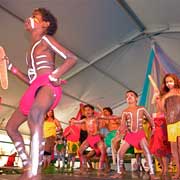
point(134, 138)
point(92, 141)
point(28, 98)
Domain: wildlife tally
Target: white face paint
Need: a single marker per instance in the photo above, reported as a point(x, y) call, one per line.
point(31, 22)
point(169, 82)
point(130, 96)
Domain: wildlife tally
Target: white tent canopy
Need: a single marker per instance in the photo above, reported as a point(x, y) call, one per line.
point(111, 38)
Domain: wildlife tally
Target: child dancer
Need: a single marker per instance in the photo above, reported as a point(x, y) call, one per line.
point(44, 91)
point(170, 91)
point(159, 145)
point(132, 128)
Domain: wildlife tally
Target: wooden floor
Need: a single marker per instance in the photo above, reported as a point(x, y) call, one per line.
point(87, 176)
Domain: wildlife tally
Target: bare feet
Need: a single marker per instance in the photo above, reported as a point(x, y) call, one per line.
point(117, 175)
point(82, 171)
point(100, 173)
point(37, 177)
point(25, 174)
point(107, 170)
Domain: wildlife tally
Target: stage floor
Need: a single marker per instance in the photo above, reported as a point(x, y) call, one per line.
point(93, 176)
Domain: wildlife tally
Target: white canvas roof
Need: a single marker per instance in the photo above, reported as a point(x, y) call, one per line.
point(112, 39)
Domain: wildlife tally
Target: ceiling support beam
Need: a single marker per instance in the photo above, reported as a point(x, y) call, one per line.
point(138, 37)
point(88, 64)
point(132, 15)
point(11, 13)
point(92, 63)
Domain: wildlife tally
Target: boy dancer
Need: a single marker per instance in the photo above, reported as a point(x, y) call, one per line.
point(132, 129)
point(93, 140)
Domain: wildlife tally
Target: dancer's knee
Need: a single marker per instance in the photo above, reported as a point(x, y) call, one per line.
point(11, 130)
point(36, 115)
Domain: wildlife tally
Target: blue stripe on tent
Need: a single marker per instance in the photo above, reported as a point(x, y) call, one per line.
point(142, 101)
point(169, 65)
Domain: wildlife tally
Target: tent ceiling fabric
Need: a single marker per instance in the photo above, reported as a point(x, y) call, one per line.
point(112, 50)
point(156, 14)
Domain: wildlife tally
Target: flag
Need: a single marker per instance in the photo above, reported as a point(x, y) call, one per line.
point(159, 64)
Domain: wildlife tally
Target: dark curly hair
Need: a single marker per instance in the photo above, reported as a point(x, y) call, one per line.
point(48, 17)
point(131, 91)
point(108, 109)
point(89, 106)
point(164, 88)
point(47, 116)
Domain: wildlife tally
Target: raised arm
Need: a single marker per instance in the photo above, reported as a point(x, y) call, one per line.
point(153, 83)
point(113, 117)
point(156, 90)
point(79, 121)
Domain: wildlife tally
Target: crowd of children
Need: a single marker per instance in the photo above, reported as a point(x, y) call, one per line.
point(91, 135)
point(102, 130)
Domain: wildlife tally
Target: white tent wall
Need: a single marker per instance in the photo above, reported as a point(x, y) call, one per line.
point(112, 49)
point(7, 148)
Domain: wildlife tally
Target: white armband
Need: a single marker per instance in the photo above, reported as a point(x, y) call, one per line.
point(53, 79)
point(9, 66)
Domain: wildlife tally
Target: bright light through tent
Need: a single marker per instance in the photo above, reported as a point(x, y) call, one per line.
point(7, 148)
